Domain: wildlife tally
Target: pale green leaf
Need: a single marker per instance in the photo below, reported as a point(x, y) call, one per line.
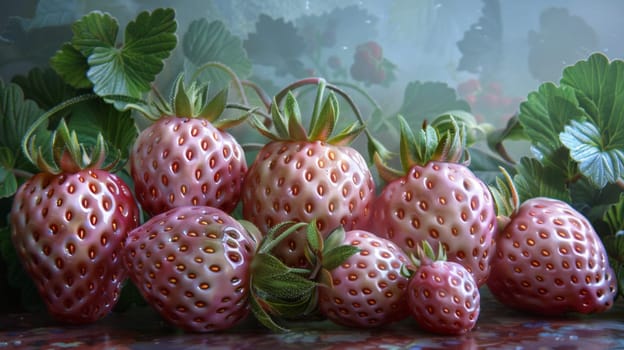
point(600, 163)
point(8, 181)
point(545, 113)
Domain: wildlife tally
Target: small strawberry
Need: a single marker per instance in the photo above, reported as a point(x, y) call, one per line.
point(549, 260)
point(68, 224)
point(303, 176)
point(369, 65)
point(442, 295)
point(367, 289)
point(436, 199)
point(186, 157)
point(192, 264)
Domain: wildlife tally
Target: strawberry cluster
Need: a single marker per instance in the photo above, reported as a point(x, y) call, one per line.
point(316, 237)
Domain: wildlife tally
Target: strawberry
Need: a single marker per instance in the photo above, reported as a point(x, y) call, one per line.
point(68, 224)
point(191, 263)
point(549, 260)
point(301, 176)
point(186, 157)
point(369, 65)
point(367, 289)
point(436, 199)
point(443, 296)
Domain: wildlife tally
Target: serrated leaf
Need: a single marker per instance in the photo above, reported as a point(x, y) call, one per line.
point(533, 179)
point(277, 280)
point(211, 42)
point(94, 30)
point(545, 114)
point(8, 181)
point(45, 87)
point(129, 69)
point(598, 163)
point(599, 86)
point(16, 116)
point(72, 65)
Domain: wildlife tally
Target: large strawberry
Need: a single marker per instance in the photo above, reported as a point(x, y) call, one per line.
point(549, 260)
point(192, 264)
point(186, 157)
point(442, 295)
point(68, 224)
point(303, 176)
point(436, 199)
point(367, 289)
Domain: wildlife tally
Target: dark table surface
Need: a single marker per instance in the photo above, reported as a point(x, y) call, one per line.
point(498, 328)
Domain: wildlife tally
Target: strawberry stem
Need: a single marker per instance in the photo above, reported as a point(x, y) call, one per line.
point(235, 79)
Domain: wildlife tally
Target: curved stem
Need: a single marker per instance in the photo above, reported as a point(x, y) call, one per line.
point(361, 91)
point(45, 116)
point(266, 100)
point(235, 79)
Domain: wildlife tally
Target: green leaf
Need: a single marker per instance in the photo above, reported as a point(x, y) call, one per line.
point(263, 316)
point(129, 69)
point(274, 278)
point(8, 181)
point(549, 184)
point(321, 128)
point(545, 114)
point(94, 30)
point(17, 114)
point(426, 100)
point(292, 113)
point(599, 88)
point(70, 64)
point(45, 87)
point(614, 218)
point(213, 109)
point(211, 42)
point(314, 237)
point(600, 164)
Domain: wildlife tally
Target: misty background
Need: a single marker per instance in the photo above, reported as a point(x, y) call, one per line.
point(512, 45)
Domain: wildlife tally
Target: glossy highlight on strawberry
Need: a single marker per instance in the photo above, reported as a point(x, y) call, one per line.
point(191, 264)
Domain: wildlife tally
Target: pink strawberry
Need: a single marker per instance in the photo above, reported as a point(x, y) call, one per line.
point(438, 200)
point(549, 260)
point(188, 158)
point(369, 65)
point(68, 225)
point(367, 289)
point(192, 265)
point(301, 176)
point(442, 295)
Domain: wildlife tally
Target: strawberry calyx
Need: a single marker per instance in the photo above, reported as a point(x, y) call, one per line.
point(287, 122)
point(423, 256)
point(506, 198)
point(444, 144)
point(69, 155)
point(280, 291)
